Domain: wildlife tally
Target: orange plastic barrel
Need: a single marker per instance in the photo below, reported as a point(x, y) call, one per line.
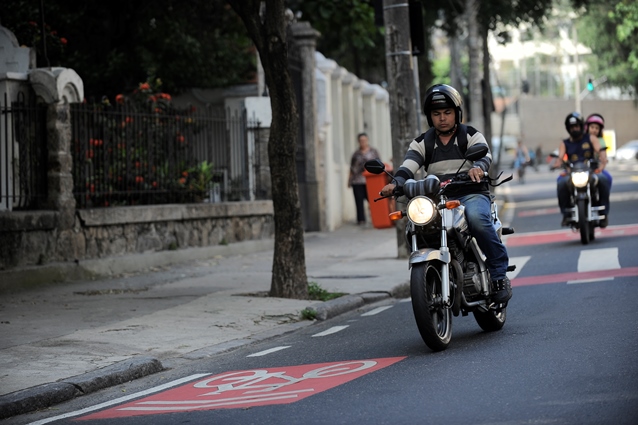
point(380, 210)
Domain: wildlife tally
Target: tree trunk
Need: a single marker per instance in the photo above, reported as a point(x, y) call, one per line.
point(488, 102)
point(401, 89)
point(474, 46)
point(268, 30)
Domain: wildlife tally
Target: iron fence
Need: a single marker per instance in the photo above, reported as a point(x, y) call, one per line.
point(125, 157)
point(23, 154)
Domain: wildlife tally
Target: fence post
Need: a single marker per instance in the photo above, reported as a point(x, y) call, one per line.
point(60, 163)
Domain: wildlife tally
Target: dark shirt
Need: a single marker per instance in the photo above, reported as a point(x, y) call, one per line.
point(580, 150)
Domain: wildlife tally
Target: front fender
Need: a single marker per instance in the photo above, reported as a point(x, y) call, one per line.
point(428, 254)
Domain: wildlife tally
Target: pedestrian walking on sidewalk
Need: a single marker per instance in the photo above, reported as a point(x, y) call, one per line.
point(357, 180)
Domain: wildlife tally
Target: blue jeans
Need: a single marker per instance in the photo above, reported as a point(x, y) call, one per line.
point(479, 219)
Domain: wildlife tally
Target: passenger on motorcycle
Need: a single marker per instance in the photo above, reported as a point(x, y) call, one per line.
point(442, 107)
point(594, 125)
point(580, 146)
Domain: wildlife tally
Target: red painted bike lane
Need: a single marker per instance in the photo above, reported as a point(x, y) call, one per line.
point(567, 235)
point(248, 388)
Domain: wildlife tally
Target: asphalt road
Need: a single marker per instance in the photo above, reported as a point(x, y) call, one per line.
point(567, 354)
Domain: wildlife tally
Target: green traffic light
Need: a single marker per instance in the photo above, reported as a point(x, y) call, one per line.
point(590, 85)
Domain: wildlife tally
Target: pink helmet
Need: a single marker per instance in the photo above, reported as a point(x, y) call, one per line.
point(595, 119)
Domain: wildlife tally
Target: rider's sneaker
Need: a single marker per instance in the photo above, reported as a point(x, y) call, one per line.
point(501, 290)
point(566, 220)
point(604, 222)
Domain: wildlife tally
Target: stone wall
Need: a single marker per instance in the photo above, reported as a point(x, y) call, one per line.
point(35, 238)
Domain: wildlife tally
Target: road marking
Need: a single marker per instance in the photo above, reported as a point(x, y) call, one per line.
point(247, 388)
point(270, 350)
point(121, 399)
point(332, 330)
point(519, 262)
point(575, 276)
point(566, 235)
point(598, 259)
point(602, 279)
point(376, 310)
point(533, 213)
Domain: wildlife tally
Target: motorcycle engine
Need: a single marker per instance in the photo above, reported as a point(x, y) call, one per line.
point(471, 281)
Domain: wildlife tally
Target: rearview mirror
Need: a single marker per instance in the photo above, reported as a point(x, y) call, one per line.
point(476, 152)
point(375, 166)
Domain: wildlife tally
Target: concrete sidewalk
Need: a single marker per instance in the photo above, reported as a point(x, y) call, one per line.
point(65, 340)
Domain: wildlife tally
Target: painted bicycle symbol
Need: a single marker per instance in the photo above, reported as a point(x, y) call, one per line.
point(262, 380)
point(249, 388)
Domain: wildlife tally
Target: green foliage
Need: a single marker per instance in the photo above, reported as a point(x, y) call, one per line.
point(348, 34)
point(441, 70)
point(316, 292)
point(610, 30)
point(138, 150)
point(200, 177)
point(308, 314)
point(114, 44)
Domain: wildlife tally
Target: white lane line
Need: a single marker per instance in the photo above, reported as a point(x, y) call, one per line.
point(519, 262)
point(376, 310)
point(332, 330)
point(405, 300)
point(598, 259)
point(270, 350)
point(600, 279)
point(121, 399)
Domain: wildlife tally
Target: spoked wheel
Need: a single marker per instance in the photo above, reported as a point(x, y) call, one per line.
point(433, 320)
point(583, 223)
point(491, 320)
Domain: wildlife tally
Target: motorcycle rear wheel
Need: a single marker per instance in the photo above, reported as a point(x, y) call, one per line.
point(491, 320)
point(432, 319)
point(583, 224)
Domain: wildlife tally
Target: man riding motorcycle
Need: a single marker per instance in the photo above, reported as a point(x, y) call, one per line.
point(440, 151)
point(579, 147)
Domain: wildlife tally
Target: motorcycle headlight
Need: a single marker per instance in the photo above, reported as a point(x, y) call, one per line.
point(580, 178)
point(421, 210)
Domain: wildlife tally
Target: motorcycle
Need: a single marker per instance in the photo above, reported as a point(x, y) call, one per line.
point(585, 213)
point(448, 272)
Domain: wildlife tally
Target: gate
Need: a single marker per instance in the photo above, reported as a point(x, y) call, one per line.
point(23, 154)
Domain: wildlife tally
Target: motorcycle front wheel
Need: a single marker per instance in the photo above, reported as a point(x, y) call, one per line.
point(583, 224)
point(432, 319)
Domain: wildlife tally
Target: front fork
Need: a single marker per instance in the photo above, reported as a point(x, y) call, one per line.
point(442, 255)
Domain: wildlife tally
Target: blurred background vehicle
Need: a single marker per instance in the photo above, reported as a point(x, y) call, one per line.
point(627, 152)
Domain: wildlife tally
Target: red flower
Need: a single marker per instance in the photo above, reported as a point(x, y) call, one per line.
point(145, 86)
point(182, 180)
point(119, 98)
point(63, 40)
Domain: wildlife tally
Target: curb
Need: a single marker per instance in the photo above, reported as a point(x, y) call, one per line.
point(47, 395)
